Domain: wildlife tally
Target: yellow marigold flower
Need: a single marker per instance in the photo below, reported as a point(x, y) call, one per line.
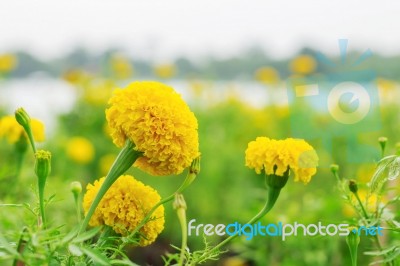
point(165, 71)
point(155, 118)
point(12, 131)
point(121, 66)
point(124, 206)
point(277, 156)
point(8, 62)
point(80, 150)
point(267, 75)
point(303, 64)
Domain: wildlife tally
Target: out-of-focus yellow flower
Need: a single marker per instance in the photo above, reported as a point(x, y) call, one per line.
point(76, 76)
point(267, 75)
point(368, 200)
point(234, 261)
point(8, 62)
point(165, 71)
point(80, 150)
point(121, 66)
point(12, 131)
point(387, 89)
point(303, 64)
point(278, 156)
point(124, 206)
point(106, 162)
point(156, 119)
point(98, 91)
point(365, 172)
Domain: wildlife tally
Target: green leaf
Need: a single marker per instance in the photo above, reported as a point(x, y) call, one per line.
point(75, 250)
point(87, 235)
point(96, 256)
point(123, 262)
point(67, 238)
point(381, 175)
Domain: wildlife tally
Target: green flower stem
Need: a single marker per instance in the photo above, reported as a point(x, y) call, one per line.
point(273, 194)
point(182, 221)
point(123, 162)
point(376, 238)
point(274, 185)
point(41, 203)
point(362, 206)
point(180, 207)
point(190, 177)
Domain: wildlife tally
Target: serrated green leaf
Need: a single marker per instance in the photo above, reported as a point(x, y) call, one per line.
point(96, 256)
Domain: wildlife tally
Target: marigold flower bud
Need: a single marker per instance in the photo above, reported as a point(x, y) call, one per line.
point(22, 117)
point(179, 202)
point(76, 187)
point(334, 168)
point(353, 186)
point(353, 240)
point(382, 141)
point(42, 164)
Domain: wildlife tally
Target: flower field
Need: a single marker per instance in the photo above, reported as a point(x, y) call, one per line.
point(118, 178)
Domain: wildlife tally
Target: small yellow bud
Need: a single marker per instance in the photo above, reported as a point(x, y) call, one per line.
point(353, 186)
point(42, 164)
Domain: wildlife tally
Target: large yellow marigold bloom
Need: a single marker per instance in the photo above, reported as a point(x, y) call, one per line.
point(80, 150)
point(155, 118)
point(277, 156)
point(124, 206)
point(12, 131)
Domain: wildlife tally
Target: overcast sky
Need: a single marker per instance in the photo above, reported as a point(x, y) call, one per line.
point(166, 28)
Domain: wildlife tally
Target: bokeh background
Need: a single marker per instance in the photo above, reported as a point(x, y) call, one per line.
point(233, 62)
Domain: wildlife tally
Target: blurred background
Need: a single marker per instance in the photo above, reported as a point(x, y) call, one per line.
point(235, 63)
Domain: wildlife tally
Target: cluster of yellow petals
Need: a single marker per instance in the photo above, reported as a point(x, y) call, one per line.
point(12, 131)
point(277, 156)
point(124, 206)
point(156, 119)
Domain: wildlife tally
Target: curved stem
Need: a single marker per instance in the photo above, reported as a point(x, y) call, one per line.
point(194, 169)
point(123, 162)
point(273, 194)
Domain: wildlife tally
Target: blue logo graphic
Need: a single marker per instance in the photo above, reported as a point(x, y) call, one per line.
point(341, 104)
